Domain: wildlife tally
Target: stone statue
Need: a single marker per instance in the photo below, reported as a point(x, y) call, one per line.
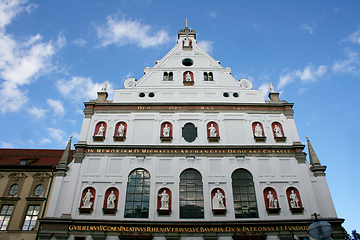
point(218, 200)
point(188, 77)
point(104, 87)
point(87, 203)
point(277, 131)
point(101, 131)
point(166, 131)
point(271, 88)
point(187, 42)
point(212, 131)
point(121, 130)
point(164, 199)
point(111, 200)
point(294, 201)
point(272, 200)
point(258, 130)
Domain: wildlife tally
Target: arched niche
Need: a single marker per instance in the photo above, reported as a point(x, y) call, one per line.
point(218, 201)
point(212, 129)
point(120, 131)
point(187, 42)
point(111, 200)
point(166, 131)
point(271, 200)
point(278, 132)
point(294, 200)
point(87, 200)
point(188, 78)
point(164, 197)
point(100, 131)
point(258, 132)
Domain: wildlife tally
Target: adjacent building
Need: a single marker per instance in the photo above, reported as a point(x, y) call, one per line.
point(188, 151)
point(26, 177)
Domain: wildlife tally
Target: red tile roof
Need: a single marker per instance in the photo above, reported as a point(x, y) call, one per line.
point(42, 157)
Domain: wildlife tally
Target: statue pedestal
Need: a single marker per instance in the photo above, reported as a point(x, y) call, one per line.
point(273, 210)
point(119, 139)
point(166, 139)
point(85, 210)
point(98, 138)
point(260, 139)
point(219, 212)
point(188, 83)
point(280, 139)
point(213, 139)
point(109, 210)
point(296, 210)
point(164, 212)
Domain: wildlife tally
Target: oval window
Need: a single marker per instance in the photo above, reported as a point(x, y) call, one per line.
point(187, 62)
point(189, 132)
point(13, 189)
point(142, 94)
point(38, 190)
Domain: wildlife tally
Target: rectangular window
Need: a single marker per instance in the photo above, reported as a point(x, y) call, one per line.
point(32, 214)
point(5, 215)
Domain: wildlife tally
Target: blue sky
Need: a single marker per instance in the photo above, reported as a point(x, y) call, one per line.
point(56, 54)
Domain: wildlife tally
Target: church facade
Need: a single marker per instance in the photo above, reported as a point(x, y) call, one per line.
point(187, 151)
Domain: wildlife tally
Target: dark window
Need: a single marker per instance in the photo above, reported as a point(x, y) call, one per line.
point(38, 190)
point(211, 78)
point(13, 189)
point(226, 94)
point(244, 194)
point(31, 217)
point(138, 194)
point(187, 62)
point(235, 94)
point(142, 94)
point(151, 94)
point(5, 215)
point(189, 132)
point(171, 76)
point(206, 76)
point(191, 194)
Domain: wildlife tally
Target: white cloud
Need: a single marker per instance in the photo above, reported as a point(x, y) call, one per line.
point(6, 145)
point(80, 42)
point(122, 32)
point(71, 121)
point(265, 89)
point(45, 141)
point(56, 134)
point(80, 89)
point(212, 14)
point(206, 45)
point(349, 65)
point(57, 107)
point(37, 113)
point(21, 62)
point(353, 37)
point(307, 28)
point(309, 74)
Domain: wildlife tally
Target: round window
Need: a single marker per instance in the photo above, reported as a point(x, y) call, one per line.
point(142, 94)
point(38, 190)
point(187, 62)
point(226, 94)
point(13, 189)
point(235, 94)
point(151, 94)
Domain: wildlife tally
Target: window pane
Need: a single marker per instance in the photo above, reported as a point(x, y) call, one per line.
point(31, 217)
point(5, 214)
point(244, 194)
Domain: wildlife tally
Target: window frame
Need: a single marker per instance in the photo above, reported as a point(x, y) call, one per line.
point(6, 217)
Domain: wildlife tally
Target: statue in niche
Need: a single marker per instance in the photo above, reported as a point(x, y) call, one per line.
point(104, 87)
point(294, 201)
point(188, 77)
point(218, 200)
point(87, 200)
point(101, 131)
point(121, 130)
point(111, 200)
point(277, 131)
point(258, 130)
point(271, 88)
point(166, 131)
point(164, 199)
point(187, 42)
point(212, 131)
point(272, 200)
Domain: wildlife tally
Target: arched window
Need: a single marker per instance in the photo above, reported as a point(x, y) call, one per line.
point(191, 194)
point(137, 194)
point(166, 76)
point(245, 205)
point(211, 77)
point(206, 78)
point(171, 76)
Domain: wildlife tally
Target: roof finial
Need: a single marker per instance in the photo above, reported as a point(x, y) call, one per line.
point(186, 22)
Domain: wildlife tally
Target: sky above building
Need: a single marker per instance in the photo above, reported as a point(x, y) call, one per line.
point(55, 55)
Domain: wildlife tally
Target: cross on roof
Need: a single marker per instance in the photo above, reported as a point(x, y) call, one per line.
point(186, 22)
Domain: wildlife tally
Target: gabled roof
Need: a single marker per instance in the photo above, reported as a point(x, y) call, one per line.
point(34, 157)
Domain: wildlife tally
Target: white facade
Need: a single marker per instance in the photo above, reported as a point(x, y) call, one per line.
point(206, 97)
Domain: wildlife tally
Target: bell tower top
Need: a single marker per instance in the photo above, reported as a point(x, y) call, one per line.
point(187, 32)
